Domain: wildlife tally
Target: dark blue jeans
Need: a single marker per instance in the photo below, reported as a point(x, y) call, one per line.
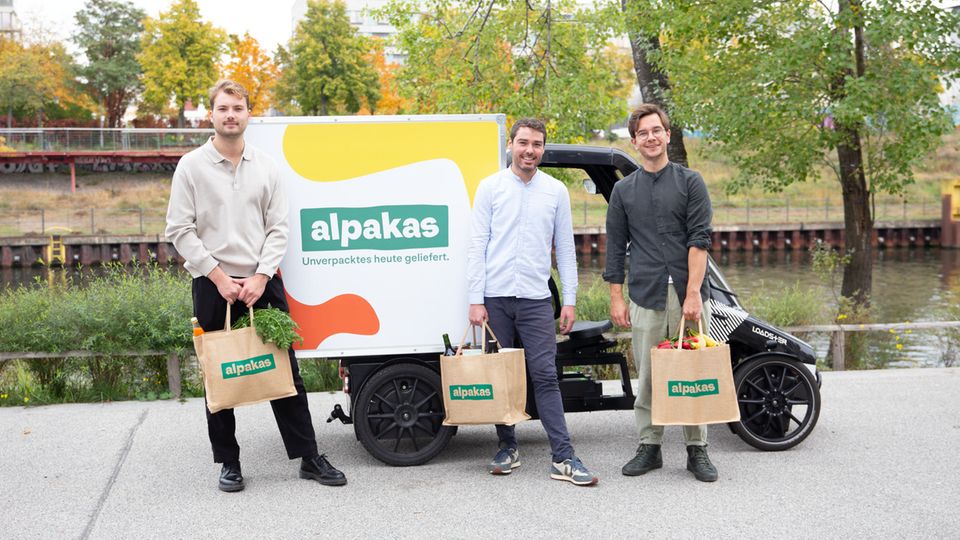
point(532, 321)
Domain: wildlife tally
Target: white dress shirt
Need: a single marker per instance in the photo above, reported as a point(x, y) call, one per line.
point(515, 227)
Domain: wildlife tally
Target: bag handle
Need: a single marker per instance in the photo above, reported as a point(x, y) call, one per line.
point(227, 327)
point(680, 330)
point(483, 336)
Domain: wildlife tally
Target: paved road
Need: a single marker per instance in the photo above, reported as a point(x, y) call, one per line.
point(881, 463)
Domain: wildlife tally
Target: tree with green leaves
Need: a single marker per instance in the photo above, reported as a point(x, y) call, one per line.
point(654, 83)
point(108, 34)
point(328, 68)
point(784, 88)
point(548, 59)
point(180, 56)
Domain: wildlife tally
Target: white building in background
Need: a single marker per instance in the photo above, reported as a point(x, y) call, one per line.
point(10, 26)
point(951, 97)
point(361, 17)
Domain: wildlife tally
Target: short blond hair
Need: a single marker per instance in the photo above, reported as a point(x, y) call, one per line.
point(229, 87)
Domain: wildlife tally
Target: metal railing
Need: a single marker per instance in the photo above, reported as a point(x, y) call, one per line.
point(173, 362)
point(782, 210)
point(43, 221)
point(107, 140)
point(838, 334)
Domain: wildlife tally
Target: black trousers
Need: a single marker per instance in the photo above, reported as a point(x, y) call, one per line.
point(292, 413)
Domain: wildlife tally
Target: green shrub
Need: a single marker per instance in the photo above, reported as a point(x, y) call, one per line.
point(123, 309)
point(789, 306)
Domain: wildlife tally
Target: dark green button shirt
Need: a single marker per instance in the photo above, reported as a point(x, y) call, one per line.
point(662, 215)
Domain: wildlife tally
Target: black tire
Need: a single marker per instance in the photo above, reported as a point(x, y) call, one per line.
point(399, 415)
point(779, 402)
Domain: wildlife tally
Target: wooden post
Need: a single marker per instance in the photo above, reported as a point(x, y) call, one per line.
point(73, 177)
point(838, 348)
point(173, 374)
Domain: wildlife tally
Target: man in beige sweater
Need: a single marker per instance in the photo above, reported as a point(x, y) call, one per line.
point(228, 219)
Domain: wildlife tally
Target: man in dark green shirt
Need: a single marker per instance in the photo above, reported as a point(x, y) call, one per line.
point(663, 211)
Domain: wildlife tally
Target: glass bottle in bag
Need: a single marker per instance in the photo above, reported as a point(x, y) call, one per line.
point(448, 349)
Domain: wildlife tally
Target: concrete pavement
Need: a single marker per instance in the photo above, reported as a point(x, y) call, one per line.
point(882, 462)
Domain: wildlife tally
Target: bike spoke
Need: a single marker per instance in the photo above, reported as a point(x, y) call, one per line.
point(798, 402)
point(380, 416)
point(794, 418)
point(783, 379)
point(424, 401)
point(766, 374)
point(385, 401)
point(754, 415)
point(751, 401)
point(429, 432)
point(793, 388)
point(413, 439)
point(386, 430)
point(757, 388)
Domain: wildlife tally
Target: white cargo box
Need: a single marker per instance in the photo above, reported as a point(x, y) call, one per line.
point(379, 225)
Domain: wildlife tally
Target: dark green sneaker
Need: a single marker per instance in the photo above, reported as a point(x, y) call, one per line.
point(647, 459)
point(699, 464)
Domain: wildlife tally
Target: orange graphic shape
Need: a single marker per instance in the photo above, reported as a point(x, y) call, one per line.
point(343, 314)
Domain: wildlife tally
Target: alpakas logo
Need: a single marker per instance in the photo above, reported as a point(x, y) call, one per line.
point(250, 366)
point(374, 227)
point(703, 387)
point(471, 391)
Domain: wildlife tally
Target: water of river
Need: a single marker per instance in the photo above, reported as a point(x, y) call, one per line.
point(908, 285)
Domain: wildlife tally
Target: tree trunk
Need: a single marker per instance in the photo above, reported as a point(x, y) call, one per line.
point(10, 117)
point(181, 119)
point(858, 221)
point(653, 84)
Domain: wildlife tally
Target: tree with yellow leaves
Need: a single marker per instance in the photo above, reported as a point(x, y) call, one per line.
point(34, 76)
point(390, 102)
point(251, 67)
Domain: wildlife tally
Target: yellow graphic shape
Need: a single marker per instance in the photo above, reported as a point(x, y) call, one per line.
point(337, 152)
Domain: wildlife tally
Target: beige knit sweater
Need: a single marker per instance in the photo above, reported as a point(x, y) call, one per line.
point(235, 218)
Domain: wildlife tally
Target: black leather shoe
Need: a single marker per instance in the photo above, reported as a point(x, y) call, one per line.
point(230, 477)
point(647, 459)
point(699, 464)
point(319, 469)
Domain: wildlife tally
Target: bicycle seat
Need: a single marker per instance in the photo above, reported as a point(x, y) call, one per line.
point(589, 329)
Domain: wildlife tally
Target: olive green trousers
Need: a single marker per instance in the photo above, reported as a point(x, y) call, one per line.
point(650, 327)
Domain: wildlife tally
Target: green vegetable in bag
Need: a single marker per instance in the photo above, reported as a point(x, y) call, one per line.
point(273, 326)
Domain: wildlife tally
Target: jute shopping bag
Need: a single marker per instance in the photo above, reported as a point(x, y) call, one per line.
point(238, 368)
point(484, 388)
point(692, 387)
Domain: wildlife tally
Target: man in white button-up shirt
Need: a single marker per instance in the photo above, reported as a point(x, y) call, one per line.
point(520, 215)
